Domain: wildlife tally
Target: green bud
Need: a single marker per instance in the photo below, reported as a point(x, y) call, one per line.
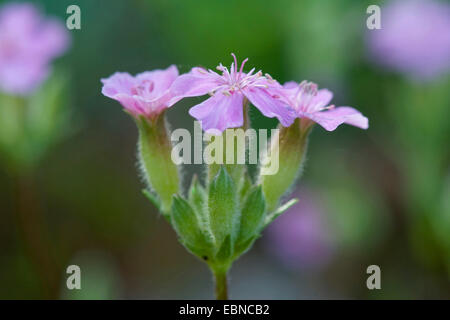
point(155, 158)
point(292, 145)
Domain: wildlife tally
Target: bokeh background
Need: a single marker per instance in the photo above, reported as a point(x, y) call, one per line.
point(380, 196)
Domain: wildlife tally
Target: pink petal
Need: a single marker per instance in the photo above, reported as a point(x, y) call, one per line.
point(133, 105)
point(19, 77)
point(290, 85)
point(198, 82)
point(119, 82)
point(153, 106)
point(321, 100)
point(162, 79)
point(53, 39)
point(331, 119)
point(220, 112)
point(270, 106)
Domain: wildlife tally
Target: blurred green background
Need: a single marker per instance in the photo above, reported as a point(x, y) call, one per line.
point(384, 193)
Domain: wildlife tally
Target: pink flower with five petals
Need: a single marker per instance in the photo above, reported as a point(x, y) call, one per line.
point(224, 109)
point(313, 104)
point(146, 94)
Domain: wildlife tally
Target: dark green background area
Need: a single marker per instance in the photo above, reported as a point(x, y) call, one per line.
point(374, 184)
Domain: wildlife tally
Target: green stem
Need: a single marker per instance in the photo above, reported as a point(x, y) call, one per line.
point(221, 285)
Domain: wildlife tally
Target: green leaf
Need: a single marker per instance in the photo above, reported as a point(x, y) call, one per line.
point(279, 211)
point(245, 188)
point(242, 247)
point(153, 198)
point(223, 213)
point(225, 253)
point(198, 199)
point(188, 229)
point(253, 213)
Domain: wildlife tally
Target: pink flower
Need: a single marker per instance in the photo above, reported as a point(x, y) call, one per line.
point(28, 43)
point(224, 109)
point(313, 104)
point(145, 94)
point(414, 38)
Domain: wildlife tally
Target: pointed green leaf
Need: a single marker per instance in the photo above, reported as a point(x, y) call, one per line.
point(242, 247)
point(280, 211)
point(198, 200)
point(223, 213)
point(253, 213)
point(156, 202)
point(225, 253)
point(245, 188)
point(153, 198)
point(188, 229)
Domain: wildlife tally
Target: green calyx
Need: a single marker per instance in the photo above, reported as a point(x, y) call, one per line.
point(157, 166)
point(291, 145)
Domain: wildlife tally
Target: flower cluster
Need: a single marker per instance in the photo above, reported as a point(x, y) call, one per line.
point(220, 218)
point(28, 43)
point(148, 94)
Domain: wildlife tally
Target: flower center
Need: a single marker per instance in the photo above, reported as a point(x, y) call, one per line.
point(304, 98)
point(144, 89)
point(235, 79)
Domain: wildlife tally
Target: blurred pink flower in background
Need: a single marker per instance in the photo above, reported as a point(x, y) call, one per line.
point(300, 238)
point(146, 94)
point(414, 38)
point(311, 103)
point(28, 43)
point(224, 109)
